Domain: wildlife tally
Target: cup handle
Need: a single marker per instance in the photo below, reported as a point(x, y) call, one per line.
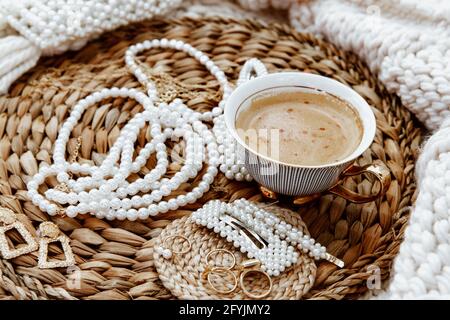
point(380, 172)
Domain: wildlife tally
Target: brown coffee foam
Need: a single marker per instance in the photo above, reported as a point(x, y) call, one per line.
point(300, 128)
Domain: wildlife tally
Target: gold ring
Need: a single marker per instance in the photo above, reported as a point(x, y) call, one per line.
point(248, 293)
point(223, 270)
point(181, 237)
point(225, 251)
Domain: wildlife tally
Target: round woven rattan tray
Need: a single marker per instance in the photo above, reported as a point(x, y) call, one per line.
point(115, 259)
point(184, 274)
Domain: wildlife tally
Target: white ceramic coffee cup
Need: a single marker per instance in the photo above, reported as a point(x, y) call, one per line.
point(300, 180)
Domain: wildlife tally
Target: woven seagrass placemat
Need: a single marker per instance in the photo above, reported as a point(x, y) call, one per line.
point(183, 274)
point(115, 259)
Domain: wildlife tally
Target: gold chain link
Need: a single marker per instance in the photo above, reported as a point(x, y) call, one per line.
point(63, 186)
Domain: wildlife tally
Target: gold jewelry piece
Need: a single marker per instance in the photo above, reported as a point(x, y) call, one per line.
point(334, 260)
point(247, 292)
point(63, 186)
point(225, 251)
point(243, 270)
point(167, 253)
point(250, 263)
point(258, 241)
point(9, 220)
point(49, 232)
point(222, 270)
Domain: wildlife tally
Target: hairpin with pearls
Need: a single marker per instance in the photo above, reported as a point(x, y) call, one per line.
point(225, 219)
point(285, 231)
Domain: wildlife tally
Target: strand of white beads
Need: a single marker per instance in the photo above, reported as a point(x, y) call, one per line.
point(103, 190)
point(231, 154)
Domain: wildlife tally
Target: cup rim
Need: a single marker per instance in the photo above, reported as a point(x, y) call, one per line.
point(305, 80)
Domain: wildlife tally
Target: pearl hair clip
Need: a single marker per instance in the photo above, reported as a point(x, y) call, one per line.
point(280, 236)
point(256, 216)
point(244, 231)
point(275, 257)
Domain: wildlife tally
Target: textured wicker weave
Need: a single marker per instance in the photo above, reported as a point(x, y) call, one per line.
point(183, 275)
point(116, 258)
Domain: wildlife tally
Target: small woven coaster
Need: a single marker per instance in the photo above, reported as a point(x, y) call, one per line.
point(182, 274)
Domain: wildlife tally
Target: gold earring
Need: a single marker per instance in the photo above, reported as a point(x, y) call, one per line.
point(49, 232)
point(9, 220)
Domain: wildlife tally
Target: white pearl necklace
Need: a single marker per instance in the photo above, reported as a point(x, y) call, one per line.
point(103, 190)
point(231, 154)
point(50, 27)
point(282, 237)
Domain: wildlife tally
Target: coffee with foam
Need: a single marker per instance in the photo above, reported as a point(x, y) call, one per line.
point(300, 128)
